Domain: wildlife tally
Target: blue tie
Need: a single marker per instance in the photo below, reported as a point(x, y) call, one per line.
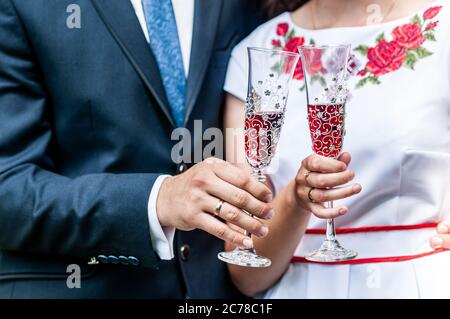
point(162, 29)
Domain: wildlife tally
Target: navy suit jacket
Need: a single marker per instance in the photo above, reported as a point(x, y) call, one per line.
point(85, 129)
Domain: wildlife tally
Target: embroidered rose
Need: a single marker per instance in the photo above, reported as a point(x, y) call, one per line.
point(286, 39)
point(298, 72)
point(362, 72)
point(385, 57)
point(405, 49)
point(432, 12)
point(282, 29)
point(293, 43)
point(276, 43)
point(432, 25)
point(409, 36)
point(315, 65)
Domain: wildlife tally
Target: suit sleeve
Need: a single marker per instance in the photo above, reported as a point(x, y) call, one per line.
point(42, 211)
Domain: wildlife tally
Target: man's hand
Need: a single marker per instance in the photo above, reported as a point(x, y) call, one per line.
point(442, 240)
point(188, 201)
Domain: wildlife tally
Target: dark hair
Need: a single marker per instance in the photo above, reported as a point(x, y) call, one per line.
point(275, 7)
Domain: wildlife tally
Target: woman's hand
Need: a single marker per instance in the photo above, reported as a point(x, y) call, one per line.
point(320, 180)
point(442, 239)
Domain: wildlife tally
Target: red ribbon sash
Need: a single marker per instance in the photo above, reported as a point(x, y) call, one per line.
point(368, 229)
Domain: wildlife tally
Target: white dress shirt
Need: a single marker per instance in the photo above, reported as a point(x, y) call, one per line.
point(162, 238)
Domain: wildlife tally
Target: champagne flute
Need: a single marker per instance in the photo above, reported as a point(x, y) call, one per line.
point(270, 72)
point(326, 75)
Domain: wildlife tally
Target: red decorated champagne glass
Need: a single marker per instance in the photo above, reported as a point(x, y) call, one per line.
point(326, 75)
point(270, 72)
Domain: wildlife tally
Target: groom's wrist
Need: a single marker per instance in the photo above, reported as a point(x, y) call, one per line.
point(163, 202)
point(162, 237)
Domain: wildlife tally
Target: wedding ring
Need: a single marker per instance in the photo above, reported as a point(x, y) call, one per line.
point(309, 194)
point(218, 208)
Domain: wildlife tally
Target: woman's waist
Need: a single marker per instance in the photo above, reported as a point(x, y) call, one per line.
point(377, 243)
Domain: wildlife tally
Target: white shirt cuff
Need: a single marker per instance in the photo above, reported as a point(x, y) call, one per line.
point(162, 237)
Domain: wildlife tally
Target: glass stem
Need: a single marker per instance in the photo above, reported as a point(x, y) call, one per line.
point(249, 235)
point(331, 229)
point(258, 174)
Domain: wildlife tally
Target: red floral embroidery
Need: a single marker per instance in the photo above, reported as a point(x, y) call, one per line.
point(404, 50)
point(362, 72)
point(293, 43)
point(316, 62)
point(276, 43)
point(385, 57)
point(287, 40)
point(282, 29)
point(432, 25)
point(298, 72)
point(409, 36)
point(432, 13)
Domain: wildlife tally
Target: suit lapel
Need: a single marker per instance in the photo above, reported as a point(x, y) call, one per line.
point(206, 19)
point(120, 19)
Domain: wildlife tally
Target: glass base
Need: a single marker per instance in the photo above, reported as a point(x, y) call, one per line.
point(245, 258)
point(331, 251)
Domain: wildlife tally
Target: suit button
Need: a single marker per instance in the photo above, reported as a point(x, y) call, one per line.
point(181, 168)
point(133, 261)
point(124, 260)
point(113, 260)
point(93, 261)
point(184, 250)
point(103, 259)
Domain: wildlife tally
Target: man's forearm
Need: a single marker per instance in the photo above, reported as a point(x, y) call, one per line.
point(99, 214)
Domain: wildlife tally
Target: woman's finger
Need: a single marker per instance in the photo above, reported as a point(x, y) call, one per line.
point(319, 180)
point(444, 228)
point(321, 164)
point(222, 231)
point(345, 158)
point(236, 216)
point(328, 195)
point(327, 213)
point(440, 241)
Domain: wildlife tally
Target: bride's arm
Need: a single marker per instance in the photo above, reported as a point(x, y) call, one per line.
point(291, 205)
point(286, 227)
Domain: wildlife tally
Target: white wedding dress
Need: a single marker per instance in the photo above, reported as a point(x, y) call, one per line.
point(398, 133)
